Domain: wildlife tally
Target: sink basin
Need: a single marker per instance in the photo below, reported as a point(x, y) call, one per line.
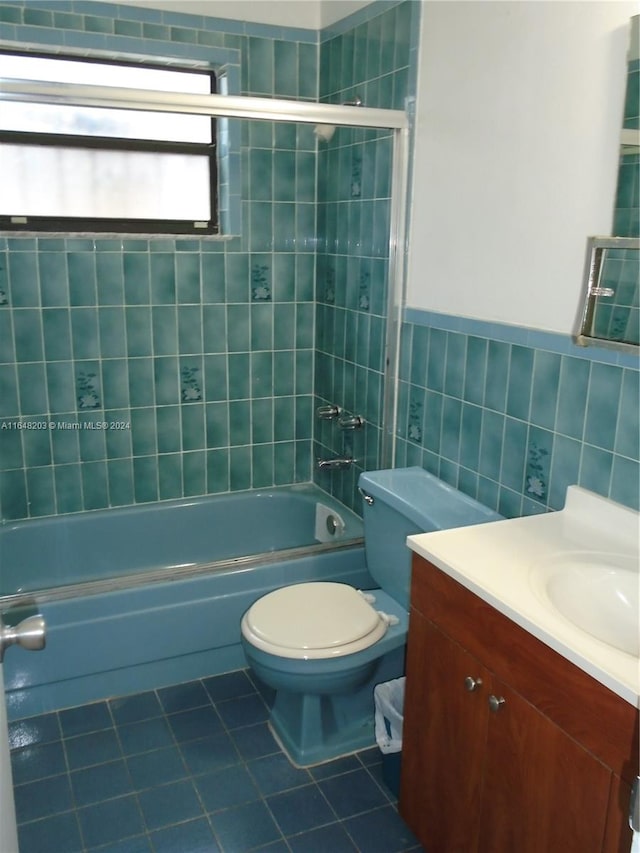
point(598, 593)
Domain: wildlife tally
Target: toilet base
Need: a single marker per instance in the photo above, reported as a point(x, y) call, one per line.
point(313, 728)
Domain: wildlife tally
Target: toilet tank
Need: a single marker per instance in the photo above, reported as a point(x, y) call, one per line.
point(400, 502)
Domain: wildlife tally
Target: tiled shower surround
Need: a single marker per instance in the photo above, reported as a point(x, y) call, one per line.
point(149, 370)
point(210, 356)
point(198, 355)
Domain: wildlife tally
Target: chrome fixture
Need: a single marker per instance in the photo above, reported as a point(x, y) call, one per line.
point(350, 422)
point(366, 498)
point(634, 807)
point(335, 464)
point(356, 102)
point(327, 413)
point(471, 684)
point(30, 633)
point(496, 702)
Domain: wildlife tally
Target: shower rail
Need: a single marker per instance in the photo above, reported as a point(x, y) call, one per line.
point(227, 106)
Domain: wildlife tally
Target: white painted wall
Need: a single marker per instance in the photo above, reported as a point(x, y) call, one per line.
point(518, 118)
point(309, 14)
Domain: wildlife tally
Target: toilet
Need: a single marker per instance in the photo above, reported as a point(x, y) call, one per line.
point(323, 646)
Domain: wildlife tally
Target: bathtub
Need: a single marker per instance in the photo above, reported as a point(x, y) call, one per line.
point(147, 596)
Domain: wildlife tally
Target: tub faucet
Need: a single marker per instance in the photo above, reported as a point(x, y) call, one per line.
point(335, 464)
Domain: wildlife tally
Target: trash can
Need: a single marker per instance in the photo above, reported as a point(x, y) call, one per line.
point(388, 699)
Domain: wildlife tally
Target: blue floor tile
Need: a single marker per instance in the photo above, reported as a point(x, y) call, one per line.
point(168, 804)
point(195, 724)
point(334, 768)
point(301, 809)
point(182, 697)
point(113, 820)
point(137, 844)
point(191, 769)
point(133, 709)
point(102, 782)
point(255, 741)
point(353, 793)
point(157, 767)
point(37, 762)
point(328, 838)
point(87, 718)
point(34, 730)
point(274, 773)
point(209, 754)
point(43, 798)
point(145, 736)
point(245, 827)
point(381, 831)
point(59, 833)
point(229, 787)
point(243, 711)
point(228, 686)
point(96, 748)
point(194, 836)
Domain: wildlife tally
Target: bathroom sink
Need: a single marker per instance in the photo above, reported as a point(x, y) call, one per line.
point(598, 593)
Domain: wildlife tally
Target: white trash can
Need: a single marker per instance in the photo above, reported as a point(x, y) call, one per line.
point(388, 699)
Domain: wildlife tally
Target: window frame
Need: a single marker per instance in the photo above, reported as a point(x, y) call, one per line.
point(109, 225)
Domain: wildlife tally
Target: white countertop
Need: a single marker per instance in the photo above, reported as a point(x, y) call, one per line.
point(505, 562)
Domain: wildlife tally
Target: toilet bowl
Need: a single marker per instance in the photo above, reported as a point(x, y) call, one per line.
point(323, 646)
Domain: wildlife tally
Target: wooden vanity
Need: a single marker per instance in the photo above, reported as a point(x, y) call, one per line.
point(508, 746)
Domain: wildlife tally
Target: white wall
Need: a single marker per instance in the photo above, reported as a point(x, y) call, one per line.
point(518, 118)
point(309, 14)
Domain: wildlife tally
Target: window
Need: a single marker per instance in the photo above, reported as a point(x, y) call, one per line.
point(67, 168)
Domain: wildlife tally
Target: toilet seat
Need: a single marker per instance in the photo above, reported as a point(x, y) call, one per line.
point(313, 621)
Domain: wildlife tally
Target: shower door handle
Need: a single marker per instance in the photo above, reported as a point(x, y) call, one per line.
point(30, 633)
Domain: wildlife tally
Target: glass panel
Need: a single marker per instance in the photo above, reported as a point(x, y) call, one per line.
point(94, 121)
point(61, 182)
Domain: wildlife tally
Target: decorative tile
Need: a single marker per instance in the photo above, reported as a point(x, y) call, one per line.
point(190, 387)
point(260, 283)
point(538, 464)
point(88, 390)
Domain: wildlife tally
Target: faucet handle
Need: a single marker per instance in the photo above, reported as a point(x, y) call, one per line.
point(327, 413)
point(351, 422)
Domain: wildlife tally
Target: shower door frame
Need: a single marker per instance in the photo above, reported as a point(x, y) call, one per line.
point(277, 110)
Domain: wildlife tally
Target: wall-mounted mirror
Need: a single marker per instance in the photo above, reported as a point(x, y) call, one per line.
point(611, 312)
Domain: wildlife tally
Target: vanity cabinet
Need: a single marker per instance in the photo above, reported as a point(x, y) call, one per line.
point(507, 746)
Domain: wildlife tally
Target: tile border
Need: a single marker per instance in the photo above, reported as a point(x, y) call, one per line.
point(556, 342)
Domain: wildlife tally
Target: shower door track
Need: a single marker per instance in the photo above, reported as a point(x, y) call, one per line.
point(168, 574)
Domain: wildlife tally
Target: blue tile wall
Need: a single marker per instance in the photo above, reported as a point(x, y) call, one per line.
point(370, 55)
point(513, 423)
point(197, 354)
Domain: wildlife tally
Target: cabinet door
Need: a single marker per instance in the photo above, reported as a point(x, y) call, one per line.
point(618, 836)
point(443, 743)
point(542, 790)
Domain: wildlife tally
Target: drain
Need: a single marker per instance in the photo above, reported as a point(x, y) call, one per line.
point(332, 524)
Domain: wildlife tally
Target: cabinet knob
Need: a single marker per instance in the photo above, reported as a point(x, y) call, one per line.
point(496, 702)
point(472, 684)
